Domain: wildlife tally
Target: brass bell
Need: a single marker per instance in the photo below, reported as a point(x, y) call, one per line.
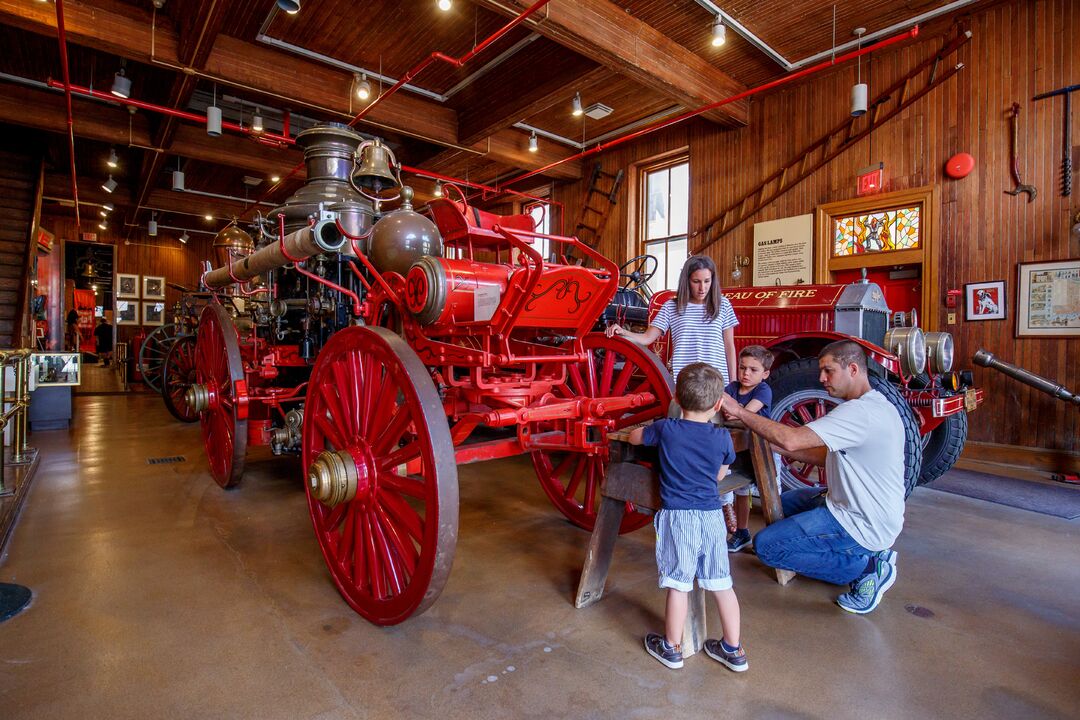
point(373, 171)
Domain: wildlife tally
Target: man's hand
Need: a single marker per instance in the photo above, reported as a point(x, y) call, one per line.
point(730, 407)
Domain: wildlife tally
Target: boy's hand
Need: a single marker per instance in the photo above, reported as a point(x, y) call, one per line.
point(730, 407)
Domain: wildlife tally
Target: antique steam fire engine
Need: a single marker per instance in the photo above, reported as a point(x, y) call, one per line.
point(376, 344)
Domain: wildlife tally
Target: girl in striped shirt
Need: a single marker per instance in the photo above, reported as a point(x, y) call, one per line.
point(700, 319)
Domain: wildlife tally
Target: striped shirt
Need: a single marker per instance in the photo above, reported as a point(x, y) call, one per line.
point(695, 340)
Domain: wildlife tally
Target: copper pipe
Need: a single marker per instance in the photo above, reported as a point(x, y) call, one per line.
point(61, 36)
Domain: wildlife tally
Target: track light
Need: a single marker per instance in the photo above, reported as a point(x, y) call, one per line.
point(113, 161)
point(444, 5)
point(109, 185)
point(103, 213)
point(533, 144)
point(256, 122)
point(108, 207)
point(275, 178)
point(213, 121)
point(859, 90)
point(363, 87)
point(719, 32)
point(208, 217)
point(103, 225)
point(121, 84)
point(438, 189)
point(290, 6)
point(151, 227)
point(184, 238)
point(178, 180)
point(576, 105)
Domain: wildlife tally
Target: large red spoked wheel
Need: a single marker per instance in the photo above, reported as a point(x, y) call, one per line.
point(177, 375)
point(615, 367)
point(381, 474)
point(219, 375)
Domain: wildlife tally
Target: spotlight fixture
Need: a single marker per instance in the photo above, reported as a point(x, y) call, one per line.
point(184, 238)
point(576, 105)
point(113, 161)
point(103, 213)
point(859, 90)
point(109, 185)
point(444, 5)
point(275, 178)
point(256, 122)
point(121, 84)
point(103, 225)
point(363, 87)
point(208, 217)
point(178, 180)
point(290, 6)
point(108, 207)
point(438, 189)
point(719, 32)
point(213, 117)
point(151, 227)
point(533, 144)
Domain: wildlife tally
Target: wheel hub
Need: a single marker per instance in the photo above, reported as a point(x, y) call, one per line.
point(335, 477)
point(197, 396)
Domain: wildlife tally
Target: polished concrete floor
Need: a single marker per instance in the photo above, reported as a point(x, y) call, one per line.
point(158, 595)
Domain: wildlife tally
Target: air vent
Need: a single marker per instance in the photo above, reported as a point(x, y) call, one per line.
point(598, 111)
point(166, 460)
point(252, 181)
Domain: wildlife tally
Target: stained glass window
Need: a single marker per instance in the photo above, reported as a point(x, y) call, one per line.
point(879, 231)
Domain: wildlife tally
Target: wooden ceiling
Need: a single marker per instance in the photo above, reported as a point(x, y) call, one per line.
point(642, 58)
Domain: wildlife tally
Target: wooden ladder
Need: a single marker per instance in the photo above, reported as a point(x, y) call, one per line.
point(885, 106)
point(600, 198)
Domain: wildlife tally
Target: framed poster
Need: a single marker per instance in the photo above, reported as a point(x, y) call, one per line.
point(127, 286)
point(153, 288)
point(127, 312)
point(1048, 299)
point(783, 251)
point(56, 368)
point(985, 300)
point(153, 313)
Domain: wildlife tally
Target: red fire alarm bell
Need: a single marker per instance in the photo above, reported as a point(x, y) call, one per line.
point(959, 165)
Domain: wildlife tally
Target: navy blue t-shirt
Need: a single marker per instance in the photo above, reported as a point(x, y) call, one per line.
point(762, 393)
point(691, 454)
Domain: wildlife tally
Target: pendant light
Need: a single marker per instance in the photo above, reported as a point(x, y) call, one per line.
point(257, 122)
point(151, 227)
point(121, 86)
point(178, 177)
point(576, 105)
point(213, 117)
point(859, 90)
point(109, 185)
point(533, 144)
point(719, 32)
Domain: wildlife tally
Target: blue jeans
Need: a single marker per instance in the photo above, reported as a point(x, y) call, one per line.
point(810, 541)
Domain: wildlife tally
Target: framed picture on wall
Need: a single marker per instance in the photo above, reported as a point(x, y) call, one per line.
point(127, 312)
point(1048, 299)
point(127, 286)
point(985, 300)
point(153, 313)
point(153, 288)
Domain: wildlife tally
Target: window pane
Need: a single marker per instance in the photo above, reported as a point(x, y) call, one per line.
point(676, 257)
point(657, 208)
point(879, 231)
point(541, 218)
point(658, 251)
point(680, 198)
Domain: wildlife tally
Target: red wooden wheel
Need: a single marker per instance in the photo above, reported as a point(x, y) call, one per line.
point(177, 375)
point(219, 374)
point(797, 409)
point(381, 474)
point(615, 367)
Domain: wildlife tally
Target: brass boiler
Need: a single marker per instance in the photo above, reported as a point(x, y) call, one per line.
point(329, 152)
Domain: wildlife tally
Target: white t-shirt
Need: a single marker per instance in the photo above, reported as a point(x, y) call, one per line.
point(865, 467)
point(693, 339)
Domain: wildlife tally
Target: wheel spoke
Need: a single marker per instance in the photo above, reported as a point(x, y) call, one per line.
point(575, 479)
point(404, 549)
point(330, 432)
point(403, 484)
point(396, 580)
point(622, 379)
point(390, 437)
point(804, 413)
point(374, 568)
point(403, 514)
point(350, 400)
point(400, 456)
point(606, 373)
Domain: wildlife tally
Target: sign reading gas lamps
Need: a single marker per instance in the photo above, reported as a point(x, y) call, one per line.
point(870, 179)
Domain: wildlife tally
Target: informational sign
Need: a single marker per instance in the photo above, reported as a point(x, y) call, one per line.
point(485, 301)
point(783, 251)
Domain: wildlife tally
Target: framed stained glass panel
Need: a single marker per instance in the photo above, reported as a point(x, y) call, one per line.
point(877, 231)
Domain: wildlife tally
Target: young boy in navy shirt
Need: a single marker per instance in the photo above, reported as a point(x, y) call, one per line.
point(753, 393)
point(691, 536)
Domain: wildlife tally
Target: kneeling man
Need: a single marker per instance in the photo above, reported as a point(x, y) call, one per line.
point(844, 535)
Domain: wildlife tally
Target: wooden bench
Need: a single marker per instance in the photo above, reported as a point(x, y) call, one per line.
point(629, 481)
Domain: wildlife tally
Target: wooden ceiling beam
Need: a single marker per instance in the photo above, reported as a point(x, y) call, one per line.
point(605, 33)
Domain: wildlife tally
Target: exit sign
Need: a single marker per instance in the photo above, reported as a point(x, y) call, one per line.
point(870, 179)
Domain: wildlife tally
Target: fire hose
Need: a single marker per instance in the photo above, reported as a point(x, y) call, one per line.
point(987, 359)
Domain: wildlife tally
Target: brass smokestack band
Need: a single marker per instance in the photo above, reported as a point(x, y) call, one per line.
point(307, 242)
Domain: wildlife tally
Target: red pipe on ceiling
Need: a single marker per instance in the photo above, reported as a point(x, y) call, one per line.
point(668, 122)
point(61, 36)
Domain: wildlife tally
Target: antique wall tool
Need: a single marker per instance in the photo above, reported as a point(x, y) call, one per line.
point(1066, 152)
point(1014, 122)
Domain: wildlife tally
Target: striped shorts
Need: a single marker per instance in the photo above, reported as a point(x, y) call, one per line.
point(692, 544)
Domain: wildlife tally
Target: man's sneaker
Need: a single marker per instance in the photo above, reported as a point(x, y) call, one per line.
point(738, 540)
point(888, 556)
point(735, 661)
point(866, 592)
point(657, 646)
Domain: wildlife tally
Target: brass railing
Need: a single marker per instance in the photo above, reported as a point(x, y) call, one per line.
point(16, 415)
point(120, 358)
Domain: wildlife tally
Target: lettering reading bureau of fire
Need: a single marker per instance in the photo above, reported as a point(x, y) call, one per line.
point(765, 294)
point(562, 288)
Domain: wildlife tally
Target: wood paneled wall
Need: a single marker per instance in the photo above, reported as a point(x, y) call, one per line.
point(1018, 49)
point(163, 256)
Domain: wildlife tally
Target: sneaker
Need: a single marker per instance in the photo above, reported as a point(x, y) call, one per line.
point(739, 539)
point(657, 646)
point(888, 556)
point(734, 661)
point(866, 592)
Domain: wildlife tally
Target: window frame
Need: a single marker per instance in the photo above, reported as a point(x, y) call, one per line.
point(642, 243)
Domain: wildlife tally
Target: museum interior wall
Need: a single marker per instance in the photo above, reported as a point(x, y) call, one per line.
point(1017, 50)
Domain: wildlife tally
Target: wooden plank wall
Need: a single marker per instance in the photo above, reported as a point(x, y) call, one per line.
point(164, 256)
point(1018, 49)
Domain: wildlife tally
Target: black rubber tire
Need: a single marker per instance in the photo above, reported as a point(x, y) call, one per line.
point(943, 446)
point(801, 376)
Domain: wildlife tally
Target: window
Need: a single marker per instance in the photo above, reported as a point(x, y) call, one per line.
point(876, 232)
point(667, 204)
point(541, 215)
